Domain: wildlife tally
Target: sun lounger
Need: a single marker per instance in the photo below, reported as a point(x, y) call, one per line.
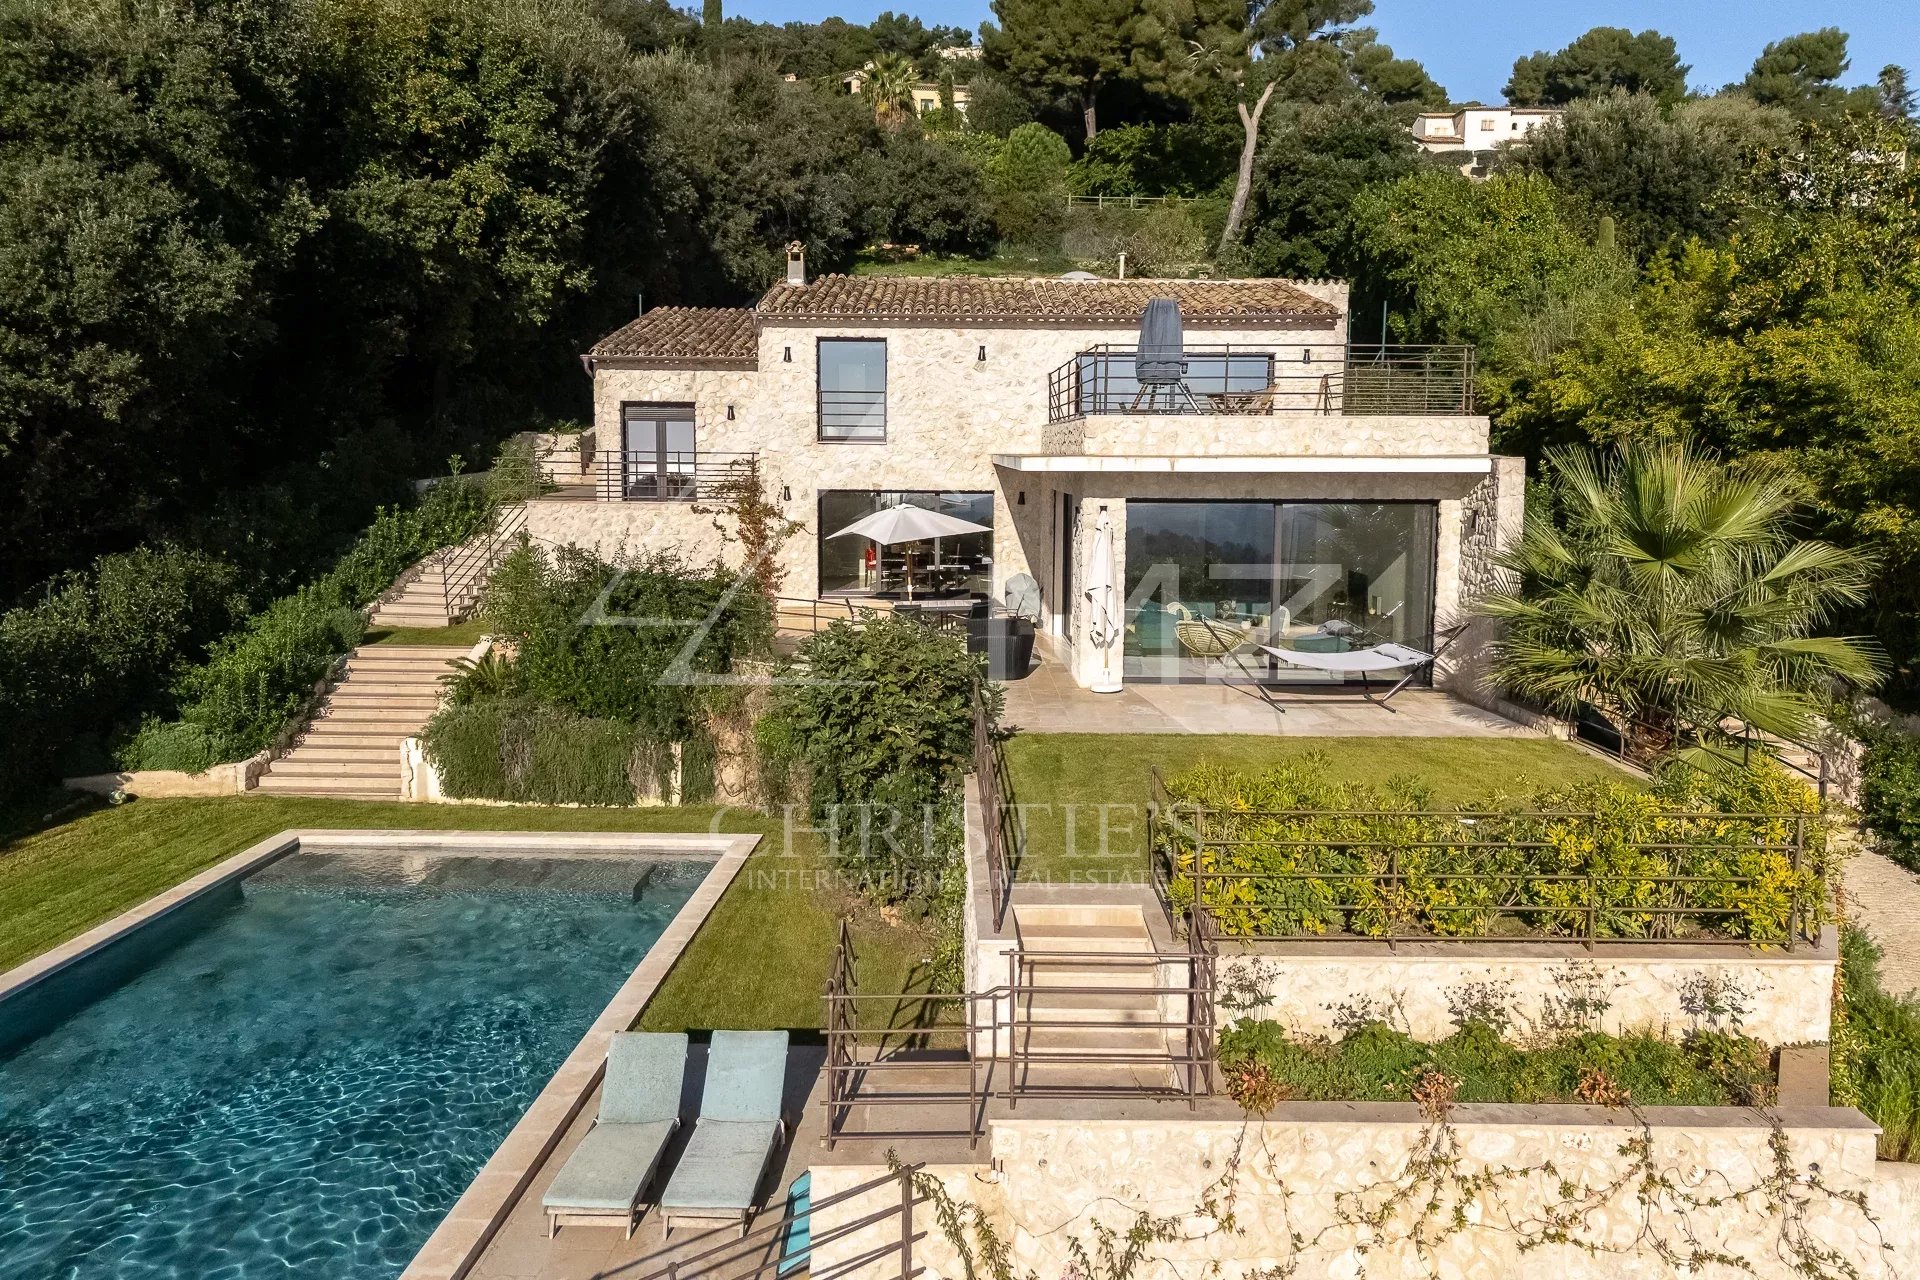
point(718, 1176)
point(1366, 663)
point(602, 1181)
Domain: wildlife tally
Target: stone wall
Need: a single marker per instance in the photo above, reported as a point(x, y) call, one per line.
point(629, 531)
point(1787, 996)
point(1296, 1183)
point(1280, 434)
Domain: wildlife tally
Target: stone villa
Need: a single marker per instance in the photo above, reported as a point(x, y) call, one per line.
point(1292, 479)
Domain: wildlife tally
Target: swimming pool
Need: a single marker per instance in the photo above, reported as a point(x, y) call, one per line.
point(301, 1073)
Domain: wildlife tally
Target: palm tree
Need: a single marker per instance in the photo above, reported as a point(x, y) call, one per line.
point(1672, 592)
point(889, 83)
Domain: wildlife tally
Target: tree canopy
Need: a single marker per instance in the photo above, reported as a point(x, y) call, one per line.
point(1602, 60)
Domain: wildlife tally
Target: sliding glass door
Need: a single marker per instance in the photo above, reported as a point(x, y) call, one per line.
point(1209, 582)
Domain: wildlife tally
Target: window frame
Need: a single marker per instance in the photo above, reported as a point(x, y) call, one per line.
point(820, 433)
point(670, 482)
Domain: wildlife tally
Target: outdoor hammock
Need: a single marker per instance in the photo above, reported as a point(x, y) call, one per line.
point(1364, 662)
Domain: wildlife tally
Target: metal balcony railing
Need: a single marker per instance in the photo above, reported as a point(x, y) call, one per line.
point(657, 476)
point(1417, 381)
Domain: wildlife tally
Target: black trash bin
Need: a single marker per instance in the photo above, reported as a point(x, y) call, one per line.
point(1005, 639)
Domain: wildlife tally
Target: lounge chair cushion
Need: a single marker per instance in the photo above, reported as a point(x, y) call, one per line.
point(643, 1077)
point(610, 1167)
point(720, 1169)
point(746, 1073)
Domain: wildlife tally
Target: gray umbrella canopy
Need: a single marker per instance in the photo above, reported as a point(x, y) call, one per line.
point(1162, 356)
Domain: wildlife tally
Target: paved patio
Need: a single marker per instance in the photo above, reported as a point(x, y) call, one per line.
point(1049, 701)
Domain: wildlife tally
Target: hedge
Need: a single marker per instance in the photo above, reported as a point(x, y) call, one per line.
point(1521, 867)
point(520, 750)
point(1890, 792)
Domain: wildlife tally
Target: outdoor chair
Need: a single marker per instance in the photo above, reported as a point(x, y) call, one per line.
point(738, 1132)
point(602, 1181)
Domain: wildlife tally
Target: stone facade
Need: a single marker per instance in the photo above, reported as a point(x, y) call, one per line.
point(1278, 434)
point(1787, 996)
point(1295, 1182)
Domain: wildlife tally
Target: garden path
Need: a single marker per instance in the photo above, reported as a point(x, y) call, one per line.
point(1884, 899)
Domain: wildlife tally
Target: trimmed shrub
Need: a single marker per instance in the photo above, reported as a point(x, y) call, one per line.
point(517, 750)
point(258, 679)
point(1348, 858)
point(1890, 792)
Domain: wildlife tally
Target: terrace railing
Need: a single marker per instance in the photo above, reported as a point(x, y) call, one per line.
point(1321, 876)
point(1357, 379)
point(781, 1244)
point(653, 476)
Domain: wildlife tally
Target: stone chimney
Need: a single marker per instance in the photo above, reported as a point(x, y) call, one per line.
point(796, 263)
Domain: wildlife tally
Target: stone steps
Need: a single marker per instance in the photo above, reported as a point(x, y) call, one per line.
point(352, 745)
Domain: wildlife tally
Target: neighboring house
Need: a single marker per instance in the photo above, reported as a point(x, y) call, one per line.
point(1305, 482)
point(926, 94)
point(1477, 131)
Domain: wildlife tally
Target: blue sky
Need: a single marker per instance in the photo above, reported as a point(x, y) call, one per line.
point(1470, 47)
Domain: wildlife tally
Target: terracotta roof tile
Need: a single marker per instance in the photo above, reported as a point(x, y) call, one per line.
point(684, 333)
point(978, 298)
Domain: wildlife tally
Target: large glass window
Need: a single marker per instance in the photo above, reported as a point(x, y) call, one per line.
point(853, 389)
point(657, 453)
point(856, 566)
point(1208, 582)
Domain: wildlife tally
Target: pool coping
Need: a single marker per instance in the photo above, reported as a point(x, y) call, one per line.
point(460, 1238)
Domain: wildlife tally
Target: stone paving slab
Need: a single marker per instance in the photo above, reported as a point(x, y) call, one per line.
point(1884, 899)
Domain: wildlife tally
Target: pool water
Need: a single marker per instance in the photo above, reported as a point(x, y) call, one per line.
point(304, 1081)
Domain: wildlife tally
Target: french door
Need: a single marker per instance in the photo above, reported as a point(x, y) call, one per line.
point(657, 453)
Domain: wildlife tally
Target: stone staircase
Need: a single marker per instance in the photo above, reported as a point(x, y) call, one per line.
point(1089, 1013)
point(421, 601)
point(352, 746)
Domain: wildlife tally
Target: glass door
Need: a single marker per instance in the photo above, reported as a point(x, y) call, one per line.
point(657, 459)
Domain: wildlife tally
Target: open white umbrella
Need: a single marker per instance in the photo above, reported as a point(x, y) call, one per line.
point(1103, 604)
point(906, 523)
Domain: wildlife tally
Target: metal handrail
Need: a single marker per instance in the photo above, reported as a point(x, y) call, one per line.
point(652, 475)
point(465, 569)
point(1227, 378)
point(993, 810)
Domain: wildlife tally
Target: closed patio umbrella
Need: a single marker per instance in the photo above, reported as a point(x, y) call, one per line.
point(1103, 604)
point(1160, 359)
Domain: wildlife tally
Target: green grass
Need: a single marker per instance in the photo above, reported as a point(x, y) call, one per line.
point(759, 961)
point(936, 265)
point(1073, 783)
point(460, 633)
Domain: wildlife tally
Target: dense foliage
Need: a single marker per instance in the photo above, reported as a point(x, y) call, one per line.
point(1377, 1063)
point(644, 644)
point(1889, 799)
point(1883, 1042)
point(876, 721)
point(1323, 857)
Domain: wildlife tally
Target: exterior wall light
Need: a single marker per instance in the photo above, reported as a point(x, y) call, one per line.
point(786, 354)
point(1021, 500)
point(982, 357)
point(1306, 355)
point(786, 493)
point(729, 413)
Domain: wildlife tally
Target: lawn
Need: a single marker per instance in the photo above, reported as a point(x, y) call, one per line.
point(1083, 796)
point(465, 634)
point(759, 961)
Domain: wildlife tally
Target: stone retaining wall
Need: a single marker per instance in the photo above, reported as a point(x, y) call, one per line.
point(1297, 1184)
point(1781, 997)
